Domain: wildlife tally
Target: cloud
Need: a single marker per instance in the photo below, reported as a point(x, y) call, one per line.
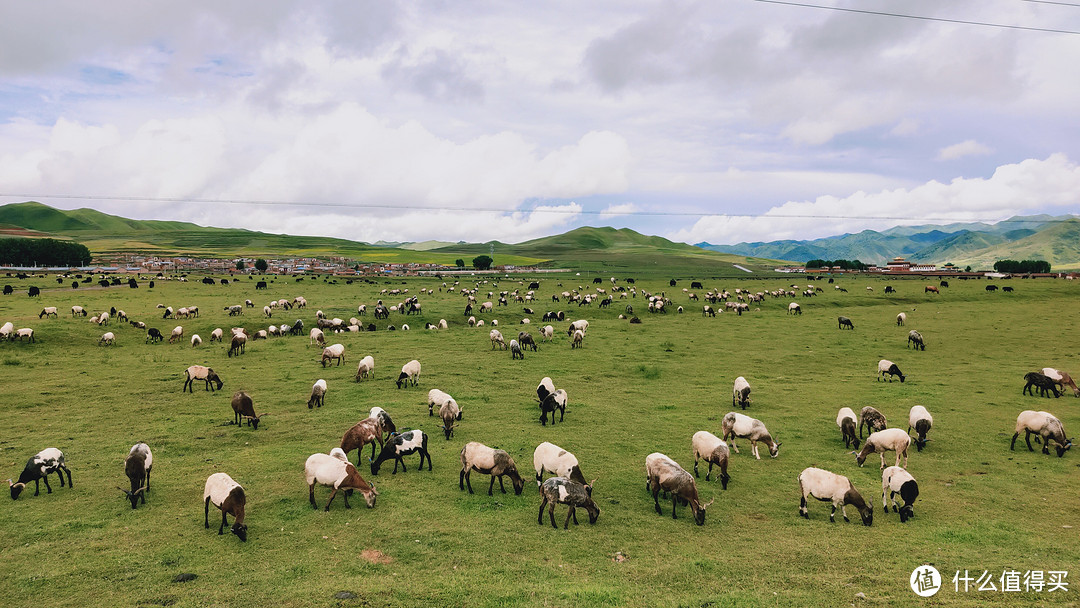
point(615, 210)
point(962, 149)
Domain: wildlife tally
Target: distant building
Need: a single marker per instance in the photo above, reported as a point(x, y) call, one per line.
point(899, 264)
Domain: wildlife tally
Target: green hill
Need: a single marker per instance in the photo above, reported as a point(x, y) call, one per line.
point(1057, 243)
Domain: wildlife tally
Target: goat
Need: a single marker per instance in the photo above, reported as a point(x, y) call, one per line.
point(137, 467)
point(489, 461)
point(449, 412)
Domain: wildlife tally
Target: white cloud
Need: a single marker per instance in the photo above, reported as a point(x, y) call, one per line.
point(614, 210)
point(965, 148)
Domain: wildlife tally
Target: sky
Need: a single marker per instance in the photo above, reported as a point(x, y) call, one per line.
point(724, 122)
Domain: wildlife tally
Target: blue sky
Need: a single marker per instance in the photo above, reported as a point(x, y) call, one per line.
point(712, 121)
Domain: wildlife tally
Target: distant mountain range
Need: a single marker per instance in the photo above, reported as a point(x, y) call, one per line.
point(1055, 239)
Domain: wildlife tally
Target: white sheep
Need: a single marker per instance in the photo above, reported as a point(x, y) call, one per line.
point(177, 333)
point(107, 338)
point(548, 333)
point(318, 394)
point(24, 332)
point(713, 450)
point(497, 338)
point(1045, 425)
point(334, 470)
point(740, 395)
point(217, 335)
point(735, 425)
point(438, 398)
point(334, 351)
point(578, 338)
point(267, 312)
point(827, 486)
point(895, 480)
point(315, 336)
point(366, 368)
point(443, 325)
point(410, 373)
point(196, 340)
point(901, 318)
point(889, 440)
point(553, 459)
point(919, 418)
point(7, 329)
point(103, 318)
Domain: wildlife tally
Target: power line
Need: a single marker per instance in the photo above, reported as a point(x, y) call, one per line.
point(546, 210)
point(1052, 2)
point(921, 17)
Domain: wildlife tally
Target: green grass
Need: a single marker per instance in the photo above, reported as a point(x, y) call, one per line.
point(634, 389)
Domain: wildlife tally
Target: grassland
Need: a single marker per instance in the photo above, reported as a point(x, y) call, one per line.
point(634, 389)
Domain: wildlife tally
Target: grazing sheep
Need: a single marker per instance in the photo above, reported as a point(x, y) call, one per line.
point(334, 470)
point(525, 339)
point(740, 396)
point(217, 335)
point(78, 311)
point(580, 324)
point(177, 334)
point(889, 440)
point(449, 412)
point(895, 480)
point(235, 309)
point(553, 459)
point(316, 337)
point(200, 372)
point(901, 319)
point(794, 309)
point(38, 468)
point(497, 338)
point(845, 419)
point(24, 332)
point(1044, 425)
point(403, 445)
point(826, 486)
point(545, 388)
point(554, 401)
point(137, 467)
point(7, 330)
point(1040, 381)
point(916, 339)
point(366, 368)
point(548, 333)
point(920, 419)
point(318, 394)
point(663, 473)
point(386, 425)
point(103, 318)
point(443, 324)
point(579, 336)
point(559, 490)
point(196, 340)
point(872, 419)
point(107, 338)
point(267, 312)
point(888, 367)
point(367, 431)
point(228, 496)
point(334, 351)
point(515, 350)
point(239, 342)
point(735, 425)
point(153, 335)
point(244, 409)
point(49, 311)
point(713, 450)
point(843, 322)
point(1062, 379)
point(436, 399)
point(488, 461)
point(410, 374)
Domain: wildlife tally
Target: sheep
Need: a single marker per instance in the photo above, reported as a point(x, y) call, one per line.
point(121, 315)
point(1062, 379)
point(888, 367)
point(239, 342)
point(153, 335)
point(872, 419)
point(916, 339)
point(316, 337)
point(410, 374)
point(545, 388)
point(403, 445)
point(553, 459)
point(901, 319)
point(47, 311)
point(244, 409)
point(713, 450)
point(449, 412)
point(889, 440)
point(436, 399)
point(443, 324)
point(471, 322)
point(920, 419)
point(895, 480)
point(228, 496)
point(827, 486)
point(249, 303)
point(196, 340)
point(1044, 425)
point(318, 394)
point(740, 393)
point(7, 330)
point(497, 338)
point(580, 324)
point(107, 338)
point(559, 490)
point(137, 467)
point(38, 468)
point(138, 325)
point(478, 457)
point(259, 335)
point(235, 310)
point(367, 431)
point(78, 311)
point(386, 425)
point(525, 339)
point(735, 425)
point(335, 471)
point(794, 309)
point(334, 351)
point(200, 372)
point(1042, 382)
point(24, 332)
point(177, 333)
point(845, 419)
point(366, 368)
point(579, 336)
point(843, 322)
point(267, 312)
point(168, 312)
point(480, 323)
point(515, 350)
point(103, 319)
point(548, 333)
point(663, 473)
point(217, 335)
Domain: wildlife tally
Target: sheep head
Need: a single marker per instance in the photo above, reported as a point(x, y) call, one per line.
point(16, 489)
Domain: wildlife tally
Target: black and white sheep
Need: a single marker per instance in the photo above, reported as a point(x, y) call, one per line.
point(318, 394)
point(888, 367)
point(38, 468)
point(916, 340)
point(137, 467)
point(920, 419)
point(228, 496)
point(401, 445)
point(740, 396)
point(554, 401)
point(895, 480)
point(410, 374)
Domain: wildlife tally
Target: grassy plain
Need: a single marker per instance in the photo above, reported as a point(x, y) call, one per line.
point(633, 389)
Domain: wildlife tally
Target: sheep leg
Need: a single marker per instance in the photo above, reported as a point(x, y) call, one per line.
point(843, 511)
point(221, 528)
point(333, 493)
point(566, 524)
point(491, 487)
point(311, 496)
point(461, 480)
point(674, 502)
point(754, 450)
point(562, 412)
point(206, 514)
point(540, 516)
point(898, 458)
point(424, 453)
point(551, 513)
point(345, 496)
point(832, 516)
point(802, 508)
point(656, 498)
point(892, 496)
point(709, 473)
point(1027, 438)
point(695, 466)
point(1013, 444)
point(372, 450)
point(501, 487)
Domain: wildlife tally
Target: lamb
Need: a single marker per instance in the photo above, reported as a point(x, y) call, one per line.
point(200, 372)
point(497, 338)
point(366, 368)
point(107, 338)
point(403, 445)
point(38, 468)
point(713, 450)
point(735, 425)
point(920, 419)
point(889, 440)
point(137, 467)
point(367, 431)
point(872, 419)
point(895, 480)
point(177, 333)
point(579, 336)
point(916, 339)
point(1044, 383)
point(318, 394)
point(843, 322)
point(436, 399)
point(334, 351)
point(410, 374)
point(740, 393)
point(1044, 425)
point(559, 490)
point(901, 319)
point(515, 350)
point(47, 311)
point(478, 457)
point(239, 342)
point(228, 496)
point(217, 335)
point(244, 409)
point(449, 412)
point(196, 340)
point(1062, 379)
point(335, 470)
point(553, 459)
point(845, 419)
point(827, 486)
point(663, 473)
point(888, 367)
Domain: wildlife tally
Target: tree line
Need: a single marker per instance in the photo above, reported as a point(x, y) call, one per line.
point(1024, 267)
point(843, 264)
point(43, 252)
